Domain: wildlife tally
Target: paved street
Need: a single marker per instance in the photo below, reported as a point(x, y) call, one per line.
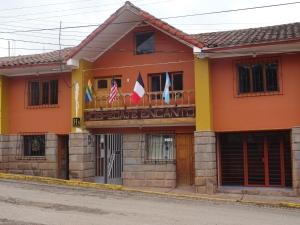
point(27, 203)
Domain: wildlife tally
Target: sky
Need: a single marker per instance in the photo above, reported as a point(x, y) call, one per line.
point(18, 15)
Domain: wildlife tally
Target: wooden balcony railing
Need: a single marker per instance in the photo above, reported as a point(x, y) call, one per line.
point(184, 98)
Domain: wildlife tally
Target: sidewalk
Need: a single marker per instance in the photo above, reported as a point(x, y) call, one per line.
point(181, 192)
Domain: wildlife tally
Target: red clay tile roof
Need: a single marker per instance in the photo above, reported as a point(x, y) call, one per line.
point(252, 36)
point(34, 59)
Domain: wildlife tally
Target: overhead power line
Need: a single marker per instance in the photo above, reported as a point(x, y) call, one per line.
point(162, 18)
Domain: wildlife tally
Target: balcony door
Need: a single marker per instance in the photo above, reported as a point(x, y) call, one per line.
point(102, 87)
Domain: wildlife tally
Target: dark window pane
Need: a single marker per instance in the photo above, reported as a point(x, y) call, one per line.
point(34, 92)
point(45, 94)
point(244, 79)
point(271, 77)
point(34, 145)
point(144, 43)
point(177, 82)
point(257, 78)
point(155, 83)
point(54, 92)
point(119, 82)
point(102, 84)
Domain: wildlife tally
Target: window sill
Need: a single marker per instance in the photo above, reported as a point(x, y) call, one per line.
point(42, 106)
point(160, 161)
point(42, 158)
point(255, 94)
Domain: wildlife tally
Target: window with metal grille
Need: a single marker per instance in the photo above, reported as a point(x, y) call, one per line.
point(160, 148)
point(144, 43)
point(42, 92)
point(34, 145)
point(257, 77)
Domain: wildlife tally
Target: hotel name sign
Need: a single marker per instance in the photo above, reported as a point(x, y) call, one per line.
point(135, 114)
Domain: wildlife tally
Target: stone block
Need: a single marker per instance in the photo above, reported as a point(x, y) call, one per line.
point(76, 174)
point(132, 161)
point(200, 181)
point(296, 155)
point(133, 183)
point(89, 173)
point(205, 157)
point(78, 143)
point(205, 165)
point(169, 183)
point(47, 166)
point(205, 140)
point(51, 137)
point(208, 148)
point(132, 168)
point(77, 150)
point(50, 151)
point(154, 175)
point(155, 183)
point(131, 154)
point(204, 134)
point(206, 173)
point(51, 144)
point(51, 158)
point(133, 137)
point(170, 175)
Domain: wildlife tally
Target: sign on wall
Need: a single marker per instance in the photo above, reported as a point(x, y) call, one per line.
point(133, 114)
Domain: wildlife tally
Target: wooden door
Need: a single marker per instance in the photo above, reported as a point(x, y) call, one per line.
point(103, 86)
point(63, 157)
point(185, 159)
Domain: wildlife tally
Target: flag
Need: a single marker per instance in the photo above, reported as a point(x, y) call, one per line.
point(113, 92)
point(89, 92)
point(166, 93)
point(138, 90)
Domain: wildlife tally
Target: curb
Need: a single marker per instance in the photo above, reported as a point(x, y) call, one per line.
point(78, 183)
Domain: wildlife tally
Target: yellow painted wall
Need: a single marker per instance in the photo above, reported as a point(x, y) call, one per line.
point(3, 105)
point(80, 76)
point(203, 95)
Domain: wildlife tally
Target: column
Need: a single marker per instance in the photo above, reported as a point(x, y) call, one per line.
point(205, 141)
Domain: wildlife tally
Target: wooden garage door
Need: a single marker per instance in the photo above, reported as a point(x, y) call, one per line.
point(185, 159)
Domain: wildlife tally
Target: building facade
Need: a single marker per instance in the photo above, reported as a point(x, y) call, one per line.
point(229, 122)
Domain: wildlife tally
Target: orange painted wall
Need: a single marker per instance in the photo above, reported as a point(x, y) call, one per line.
point(167, 50)
point(231, 113)
point(24, 119)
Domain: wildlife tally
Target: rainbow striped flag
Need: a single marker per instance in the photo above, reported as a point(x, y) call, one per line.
point(89, 92)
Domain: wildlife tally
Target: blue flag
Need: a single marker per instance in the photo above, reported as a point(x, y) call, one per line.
point(166, 93)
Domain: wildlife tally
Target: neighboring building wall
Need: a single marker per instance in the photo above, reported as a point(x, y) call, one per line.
point(82, 156)
point(296, 159)
point(56, 119)
point(138, 173)
point(38, 166)
point(277, 111)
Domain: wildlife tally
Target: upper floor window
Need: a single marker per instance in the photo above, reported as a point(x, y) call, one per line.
point(158, 81)
point(43, 92)
point(144, 43)
point(257, 77)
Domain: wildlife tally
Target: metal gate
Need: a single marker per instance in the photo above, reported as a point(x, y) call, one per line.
point(109, 158)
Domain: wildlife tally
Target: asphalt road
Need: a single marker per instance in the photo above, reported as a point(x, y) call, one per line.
point(28, 203)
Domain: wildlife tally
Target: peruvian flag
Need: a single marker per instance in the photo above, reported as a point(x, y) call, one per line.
point(138, 91)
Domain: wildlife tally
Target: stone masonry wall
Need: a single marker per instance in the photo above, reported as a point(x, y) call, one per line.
point(140, 174)
point(3, 153)
point(37, 165)
point(205, 162)
point(296, 159)
point(82, 156)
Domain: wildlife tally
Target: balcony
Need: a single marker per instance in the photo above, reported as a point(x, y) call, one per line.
point(151, 111)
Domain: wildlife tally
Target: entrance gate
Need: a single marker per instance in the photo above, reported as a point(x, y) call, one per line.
point(109, 158)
